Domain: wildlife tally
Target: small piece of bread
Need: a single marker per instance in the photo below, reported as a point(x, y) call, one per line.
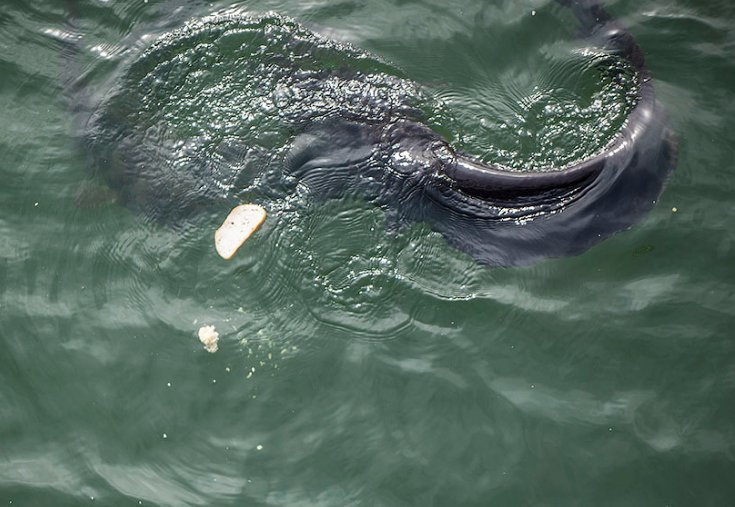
point(242, 221)
point(209, 338)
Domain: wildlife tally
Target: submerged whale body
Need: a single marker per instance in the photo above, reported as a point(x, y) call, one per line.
point(232, 107)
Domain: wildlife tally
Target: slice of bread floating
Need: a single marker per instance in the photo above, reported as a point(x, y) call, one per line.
point(242, 221)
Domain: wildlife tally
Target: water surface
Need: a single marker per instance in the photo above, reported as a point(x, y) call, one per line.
point(362, 363)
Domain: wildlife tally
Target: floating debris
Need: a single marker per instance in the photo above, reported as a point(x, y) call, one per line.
point(239, 225)
point(209, 338)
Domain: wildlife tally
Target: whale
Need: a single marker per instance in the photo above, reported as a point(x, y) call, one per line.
point(331, 130)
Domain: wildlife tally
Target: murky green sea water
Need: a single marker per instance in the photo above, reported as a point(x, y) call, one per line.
point(361, 363)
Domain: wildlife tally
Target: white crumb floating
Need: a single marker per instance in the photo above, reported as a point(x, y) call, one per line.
point(242, 221)
point(209, 338)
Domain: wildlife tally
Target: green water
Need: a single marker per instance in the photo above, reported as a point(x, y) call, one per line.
point(358, 364)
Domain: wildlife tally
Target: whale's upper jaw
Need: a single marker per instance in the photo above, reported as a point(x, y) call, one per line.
point(491, 182)
point(416, 150)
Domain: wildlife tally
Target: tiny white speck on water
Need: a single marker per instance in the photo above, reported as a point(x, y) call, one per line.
point(533, 13)
point(214, 381)
point(259, 447)
point(227, 369)
point(533, 386)
point(674, 210)
point(165, 436)
point(168, 384)
point(610, 428)
point(35, 204)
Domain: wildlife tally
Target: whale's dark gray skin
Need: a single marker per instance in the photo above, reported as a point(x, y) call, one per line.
point(513, 218)
point(499, 217)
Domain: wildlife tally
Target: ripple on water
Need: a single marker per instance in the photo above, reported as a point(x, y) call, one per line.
point(202, 119)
